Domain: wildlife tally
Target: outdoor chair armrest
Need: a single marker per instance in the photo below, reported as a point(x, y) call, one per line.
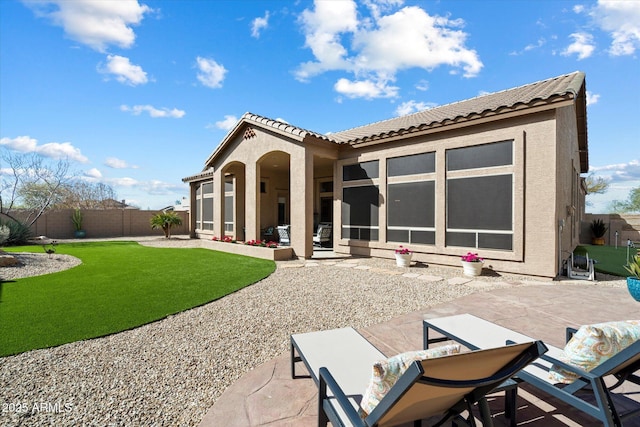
point(326, 381)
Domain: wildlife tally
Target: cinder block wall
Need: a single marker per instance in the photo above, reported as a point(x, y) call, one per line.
point(104, 223)
point(627, 226)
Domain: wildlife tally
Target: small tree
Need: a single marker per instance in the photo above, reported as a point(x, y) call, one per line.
point(631, 205)
point(30, 185)
point(165, 221)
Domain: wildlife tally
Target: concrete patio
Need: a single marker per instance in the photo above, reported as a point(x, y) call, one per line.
point(267, 396)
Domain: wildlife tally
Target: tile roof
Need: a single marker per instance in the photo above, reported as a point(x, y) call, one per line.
point(565, 87)
point(207, 173)
point(545, 91)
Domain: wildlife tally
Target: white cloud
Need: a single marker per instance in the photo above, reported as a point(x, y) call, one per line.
point(582, 45)
point(154, 112)
point(622, 20)
point(381, 45)
point(211, 73)
point(115, 163)
point(95, 23)
point(123, 182)
point(228, 123)
point(413, 106)
point(53, 150)
point(23, 144)
point(629, 171)
point(367, 89)
point(156, 187)
point(124, 71)
point(93, 173)
point(423, 85)
point(592, 98)
point(259, 24)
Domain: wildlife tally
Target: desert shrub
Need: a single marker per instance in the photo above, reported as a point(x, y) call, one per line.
point(19, 233)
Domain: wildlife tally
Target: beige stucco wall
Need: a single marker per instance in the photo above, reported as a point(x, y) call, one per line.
point(535, 184)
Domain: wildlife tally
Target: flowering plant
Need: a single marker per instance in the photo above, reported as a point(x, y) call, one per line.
point(403, 251)
point(469, 257)
point(225, 239)
point(261, 243)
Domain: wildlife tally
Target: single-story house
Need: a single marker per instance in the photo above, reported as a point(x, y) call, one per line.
point(497, 175)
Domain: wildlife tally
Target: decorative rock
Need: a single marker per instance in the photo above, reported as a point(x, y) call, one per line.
point(8, 261)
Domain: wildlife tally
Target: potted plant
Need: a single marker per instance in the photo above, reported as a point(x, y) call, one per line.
point(472, 264)
point(598, 229)
point(403, 257)
point(633, 281)
point(76, 218)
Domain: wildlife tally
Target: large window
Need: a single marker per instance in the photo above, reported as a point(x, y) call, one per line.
point(360, 201)
point(228, 203)
point(204, 206)
point(480, 196)
point(411, 199)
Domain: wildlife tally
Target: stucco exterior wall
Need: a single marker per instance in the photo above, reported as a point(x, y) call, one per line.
point(535, 183)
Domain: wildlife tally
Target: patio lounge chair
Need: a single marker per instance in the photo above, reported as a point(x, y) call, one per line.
point(283, 233)
point(323, 235)
point(341, 360)
point(269, 233)
point(587, 391)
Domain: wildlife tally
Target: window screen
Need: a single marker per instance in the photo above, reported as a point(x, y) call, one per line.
point(228, 184)
point(207, 209)
point(365, 170)
point(411, 204)
point(207, 188)
point(480, 156)
point(481, 203)
point(228, 209)
point(410, 165)
point(360, 205)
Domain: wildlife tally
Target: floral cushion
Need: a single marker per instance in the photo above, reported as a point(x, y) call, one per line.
point(592, 345)
point(386, 373)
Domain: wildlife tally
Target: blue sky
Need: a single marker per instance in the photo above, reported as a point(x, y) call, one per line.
point(137, 94)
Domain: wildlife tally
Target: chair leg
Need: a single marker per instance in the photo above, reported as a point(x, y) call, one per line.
point(323, 420)
point(510, 411)
point(485, 412)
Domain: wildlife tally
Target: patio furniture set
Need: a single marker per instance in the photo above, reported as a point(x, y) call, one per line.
point(360, 386)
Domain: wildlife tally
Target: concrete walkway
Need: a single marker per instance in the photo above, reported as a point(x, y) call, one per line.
point(267, 396)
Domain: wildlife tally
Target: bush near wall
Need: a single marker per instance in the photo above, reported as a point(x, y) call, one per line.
point(98, 223)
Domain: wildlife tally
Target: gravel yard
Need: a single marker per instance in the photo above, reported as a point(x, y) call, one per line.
point(171, 372)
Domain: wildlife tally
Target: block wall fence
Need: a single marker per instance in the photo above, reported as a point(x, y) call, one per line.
point(104, 223)
point(627, 226)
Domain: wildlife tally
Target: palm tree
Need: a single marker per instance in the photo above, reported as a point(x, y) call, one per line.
point(165, 220)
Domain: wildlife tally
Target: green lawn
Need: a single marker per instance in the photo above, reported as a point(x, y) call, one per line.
point(610, 260)
point(118, 286)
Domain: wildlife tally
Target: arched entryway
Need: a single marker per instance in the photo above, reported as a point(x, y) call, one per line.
point(274, 197)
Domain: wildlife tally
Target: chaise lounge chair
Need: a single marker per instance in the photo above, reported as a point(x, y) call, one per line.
point(431, 386)
point(575, 375)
